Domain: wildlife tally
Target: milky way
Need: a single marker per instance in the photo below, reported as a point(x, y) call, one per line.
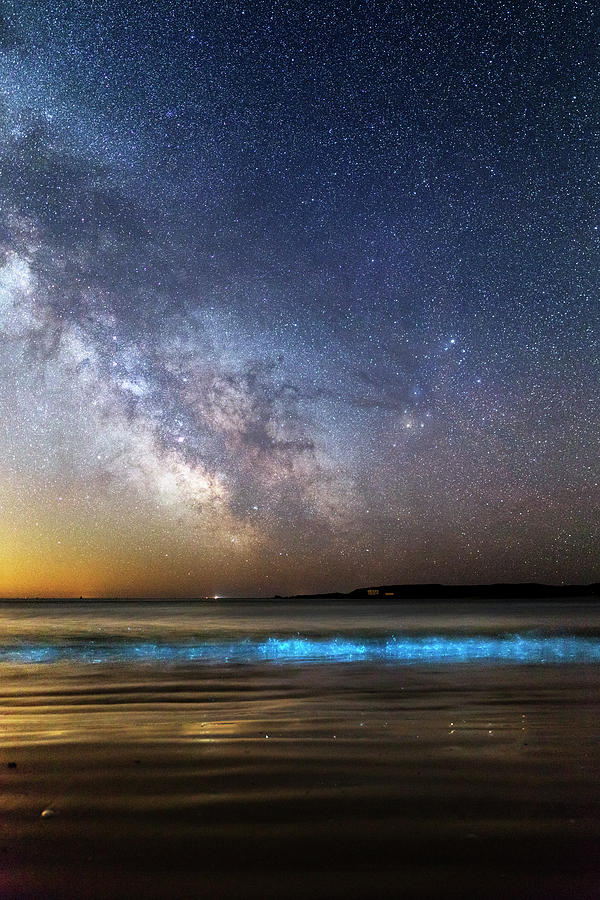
point(297, 296)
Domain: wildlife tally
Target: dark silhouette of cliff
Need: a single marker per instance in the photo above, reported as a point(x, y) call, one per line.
point(526, 591)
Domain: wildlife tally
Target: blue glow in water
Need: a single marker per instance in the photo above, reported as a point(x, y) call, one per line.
point(394, 650)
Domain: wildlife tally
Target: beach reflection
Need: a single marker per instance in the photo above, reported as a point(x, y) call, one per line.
point(459, 706)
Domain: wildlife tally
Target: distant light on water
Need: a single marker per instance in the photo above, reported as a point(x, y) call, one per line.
point(393, 650)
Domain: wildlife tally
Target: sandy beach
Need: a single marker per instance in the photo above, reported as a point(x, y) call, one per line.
point(299, 782)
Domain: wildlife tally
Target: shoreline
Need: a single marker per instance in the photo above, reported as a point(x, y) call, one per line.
point(253, 783)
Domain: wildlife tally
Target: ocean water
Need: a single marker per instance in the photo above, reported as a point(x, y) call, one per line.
point(303, 632)
point(316, 749)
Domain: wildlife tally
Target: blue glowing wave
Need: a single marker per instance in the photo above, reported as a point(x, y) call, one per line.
point(394, 650)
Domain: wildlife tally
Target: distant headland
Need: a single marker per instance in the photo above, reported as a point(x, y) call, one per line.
point(500, 591)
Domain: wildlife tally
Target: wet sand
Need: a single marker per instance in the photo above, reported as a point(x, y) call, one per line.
point(300, 781)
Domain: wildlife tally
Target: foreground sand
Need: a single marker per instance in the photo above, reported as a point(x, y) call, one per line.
point(451, 782)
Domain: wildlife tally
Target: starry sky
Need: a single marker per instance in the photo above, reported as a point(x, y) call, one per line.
point(297, 296)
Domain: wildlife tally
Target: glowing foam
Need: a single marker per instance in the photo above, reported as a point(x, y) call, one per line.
point(393, 650)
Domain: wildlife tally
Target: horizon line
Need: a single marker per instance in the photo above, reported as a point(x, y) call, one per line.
point(370, 592)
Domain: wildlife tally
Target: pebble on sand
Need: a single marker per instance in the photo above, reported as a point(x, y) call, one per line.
point(48, 813)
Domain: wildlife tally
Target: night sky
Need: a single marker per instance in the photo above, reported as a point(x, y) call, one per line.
point(297, 295)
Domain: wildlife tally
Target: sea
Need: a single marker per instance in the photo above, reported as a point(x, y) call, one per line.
point(316, 748)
